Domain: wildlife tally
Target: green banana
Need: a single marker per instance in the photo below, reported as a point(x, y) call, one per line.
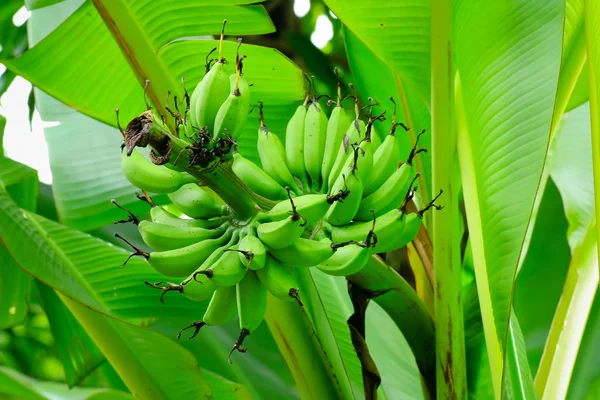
point(228, 270)
point(375, 139)
point(315, 134)
point(252, 252)
point(272, 155)
point(390, 231)
point(160, 215)
point(312, 207)
point(211, 92)
point(279, 280)
point(161, 237)
point(282, 233)
point(194, 202)
point(233, 113)
point(386, 158)
point(220, 311)
point(256, 179)
point(294, 144)
point(343, 211)
point(390, 195)
point(279, 234)
point(251, 305)
point(183, 261)
point(346, 260)
point(304, 253)
point(354, 134)
point(338, 123)
point(144, 175)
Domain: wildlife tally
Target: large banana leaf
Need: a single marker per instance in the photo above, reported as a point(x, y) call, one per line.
point(573, 159)
point(397, 32)
point(373, 78)
point(21, 182)
point(508, 57)
point(105, 82)
point(14, 384)
point(78, 353)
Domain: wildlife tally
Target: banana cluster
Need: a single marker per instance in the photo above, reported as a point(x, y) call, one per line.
point(339, 195)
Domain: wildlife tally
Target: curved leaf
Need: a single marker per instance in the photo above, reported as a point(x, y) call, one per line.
point(398, 32)
point(105, 81)
point(13, 383)
point(508, 56)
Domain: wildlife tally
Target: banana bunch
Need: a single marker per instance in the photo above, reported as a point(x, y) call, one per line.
point(337, 195)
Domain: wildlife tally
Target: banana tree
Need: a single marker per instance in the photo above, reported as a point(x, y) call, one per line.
point(395, 246)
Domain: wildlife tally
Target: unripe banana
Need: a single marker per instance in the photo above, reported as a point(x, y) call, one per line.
point(343, 211)
point(181, 262)
point(160, 215)
point(252, 252)
point(375, 139)
point(233, 113)
point(390, 195)
point(386, 158)
point(211, 92)
point(315, 134)
point(390, 228)
point(346, 260)
point(221, 310)
point(194, 202)
point(339, 121)
point(294, 145)
point(161, 237)
point(279, 280)
point(256, 179)
point(272, 156)
point(312, 207)
point(354, 134)
point(228, 270)
point(279, 234)
point(153, 178)
point(251, 305)
point(304, 253)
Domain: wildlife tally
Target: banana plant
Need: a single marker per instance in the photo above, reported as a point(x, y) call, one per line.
point(394, 246)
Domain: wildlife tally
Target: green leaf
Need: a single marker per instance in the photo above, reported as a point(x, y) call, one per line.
point(508, 57)
point(572, 172)
point(37, 4)
point(15, 384)
point(547, 261)
point(261, 369)
point(84, 268)
point(277, 82)
point(518, 379)
point(21, 183)
point(373, 78)
point(151, 365)
point(586, 373)
point(398, 32)
point(78, 353)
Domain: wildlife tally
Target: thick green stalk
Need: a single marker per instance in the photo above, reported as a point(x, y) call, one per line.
point(221, 179)
point(451, 365)
point(566, 332)
point(301, 350)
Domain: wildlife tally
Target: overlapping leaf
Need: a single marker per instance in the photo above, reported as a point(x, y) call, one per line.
point(508, 56)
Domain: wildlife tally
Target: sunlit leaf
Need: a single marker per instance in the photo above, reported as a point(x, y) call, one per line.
point(508, 57)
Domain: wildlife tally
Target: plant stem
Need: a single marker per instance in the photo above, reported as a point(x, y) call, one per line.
point(451, 364)
point(405, 308)
point(566, 332)
point(221, 178)
point(301, 350)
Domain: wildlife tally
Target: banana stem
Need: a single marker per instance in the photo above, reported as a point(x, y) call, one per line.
point(221, 179)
